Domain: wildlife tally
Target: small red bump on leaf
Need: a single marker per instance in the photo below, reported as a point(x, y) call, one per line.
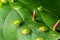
point(56, 25)
point(34, 15)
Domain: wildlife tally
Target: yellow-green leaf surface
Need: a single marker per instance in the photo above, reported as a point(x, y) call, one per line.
point(16, 19)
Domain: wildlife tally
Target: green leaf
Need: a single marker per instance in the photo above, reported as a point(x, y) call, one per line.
point(49, 18)
point(17, 16)
point(3, 13)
